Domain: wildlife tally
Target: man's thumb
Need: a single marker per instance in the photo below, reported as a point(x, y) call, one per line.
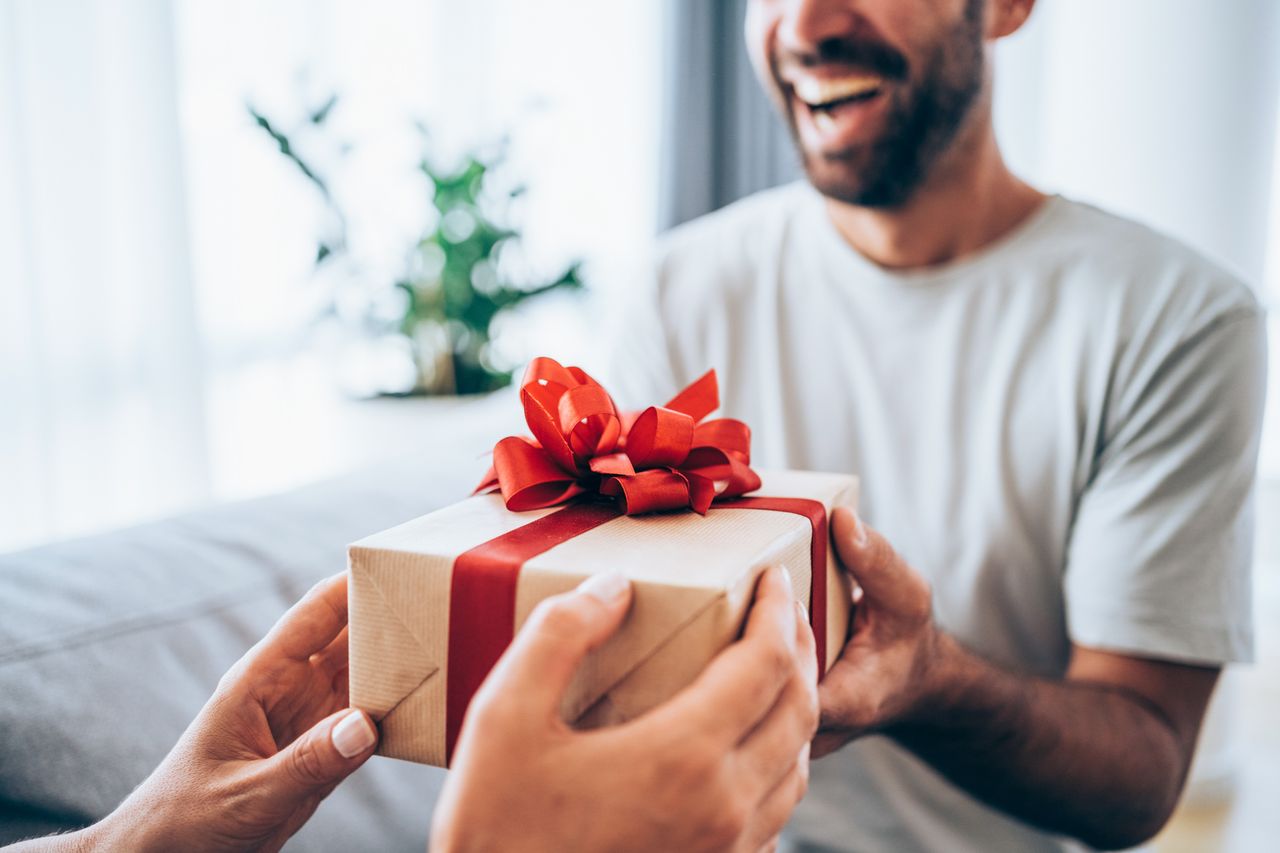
point(324, 755)
point(884, 576)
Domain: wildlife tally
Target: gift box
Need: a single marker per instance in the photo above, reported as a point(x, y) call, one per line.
point(666, 497)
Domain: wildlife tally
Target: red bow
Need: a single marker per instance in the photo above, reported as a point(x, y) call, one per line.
point(665, 458)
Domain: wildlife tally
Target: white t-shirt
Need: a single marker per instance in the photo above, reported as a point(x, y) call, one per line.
point(1059, 431)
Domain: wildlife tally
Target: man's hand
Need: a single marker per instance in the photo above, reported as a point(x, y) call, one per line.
point(1100, 755)
point(889, 663)
point(719, 766)
point(272, 742)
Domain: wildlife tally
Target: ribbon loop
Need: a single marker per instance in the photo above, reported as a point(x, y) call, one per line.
point(660, 437)
point(589, 421)
point(528, 478)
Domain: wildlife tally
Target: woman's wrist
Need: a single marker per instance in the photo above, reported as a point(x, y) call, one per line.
point(81, 841)
point(130, 827)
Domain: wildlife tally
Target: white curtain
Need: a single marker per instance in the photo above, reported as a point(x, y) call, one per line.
point(100, 386)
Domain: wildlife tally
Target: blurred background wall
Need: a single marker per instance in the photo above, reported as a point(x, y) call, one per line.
point(158, 348)
point(158, 344)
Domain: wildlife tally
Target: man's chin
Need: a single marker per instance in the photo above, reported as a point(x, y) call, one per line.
point(848, 179)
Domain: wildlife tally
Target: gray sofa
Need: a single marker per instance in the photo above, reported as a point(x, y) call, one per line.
point(110, 644)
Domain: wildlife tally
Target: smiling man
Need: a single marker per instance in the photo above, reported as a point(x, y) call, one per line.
point(1055, 413)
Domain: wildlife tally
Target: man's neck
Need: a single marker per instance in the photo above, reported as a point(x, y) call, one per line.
point(970, 200)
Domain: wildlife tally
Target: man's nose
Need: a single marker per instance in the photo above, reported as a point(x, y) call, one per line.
point(807, 24)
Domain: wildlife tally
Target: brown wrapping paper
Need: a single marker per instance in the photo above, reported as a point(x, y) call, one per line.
point(693, 578)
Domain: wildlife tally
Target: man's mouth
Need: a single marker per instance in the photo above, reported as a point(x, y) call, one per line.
point(834, 109)
point(826, 95)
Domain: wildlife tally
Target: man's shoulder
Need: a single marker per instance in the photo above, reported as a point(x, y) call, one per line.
point(1150, 271)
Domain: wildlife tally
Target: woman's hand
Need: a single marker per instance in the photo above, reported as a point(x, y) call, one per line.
point(272, 742)
point(719, 766)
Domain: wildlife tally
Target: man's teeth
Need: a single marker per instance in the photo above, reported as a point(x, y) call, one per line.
point(817, 93)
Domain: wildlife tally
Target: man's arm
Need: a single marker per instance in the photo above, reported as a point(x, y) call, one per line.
point(1097, 756)
point(1101, 755)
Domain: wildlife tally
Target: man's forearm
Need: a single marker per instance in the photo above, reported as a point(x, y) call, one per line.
point(1073, 757)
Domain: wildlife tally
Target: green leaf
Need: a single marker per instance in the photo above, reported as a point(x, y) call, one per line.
point(286, 148)
point(319, 116)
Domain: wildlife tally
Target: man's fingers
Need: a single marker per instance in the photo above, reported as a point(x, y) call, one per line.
point(311, 624)
point(885, 578)
point(552, 643)
point(825, 743)
point(320, 757)
point(742, 683)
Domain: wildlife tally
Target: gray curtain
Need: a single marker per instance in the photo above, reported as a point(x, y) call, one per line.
point(721, 138)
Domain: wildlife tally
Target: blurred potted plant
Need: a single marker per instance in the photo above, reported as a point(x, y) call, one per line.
point(455, 283)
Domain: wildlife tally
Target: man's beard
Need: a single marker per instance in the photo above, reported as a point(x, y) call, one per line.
point(920, 124)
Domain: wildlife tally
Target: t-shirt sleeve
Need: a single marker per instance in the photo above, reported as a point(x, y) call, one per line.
point(1160, 552)
point(639, 368)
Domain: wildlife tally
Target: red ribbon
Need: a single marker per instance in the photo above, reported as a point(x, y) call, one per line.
point(666, 458)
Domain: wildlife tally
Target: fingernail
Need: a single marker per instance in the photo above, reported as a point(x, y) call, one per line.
point(786, 575)
point(607, 587)
point(804, 611)
point(859, 531)
point(353, 735)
